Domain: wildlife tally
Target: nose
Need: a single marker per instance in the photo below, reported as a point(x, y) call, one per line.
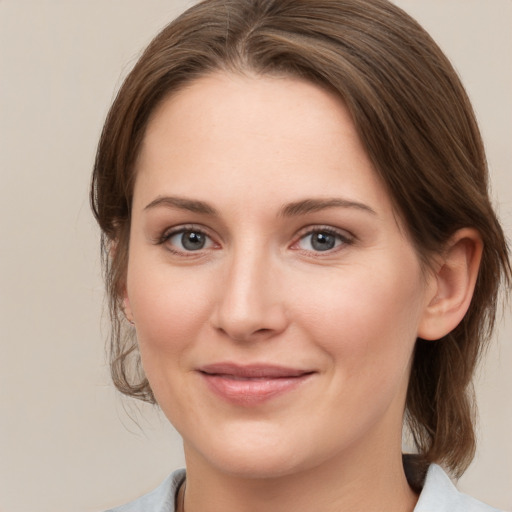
point(250, 303)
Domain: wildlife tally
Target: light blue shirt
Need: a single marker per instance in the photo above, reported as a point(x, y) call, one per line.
point(438, 495)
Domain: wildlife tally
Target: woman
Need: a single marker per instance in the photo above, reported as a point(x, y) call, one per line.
point(300, 256)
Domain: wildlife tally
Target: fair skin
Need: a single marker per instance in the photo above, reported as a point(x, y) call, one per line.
point(277, 298)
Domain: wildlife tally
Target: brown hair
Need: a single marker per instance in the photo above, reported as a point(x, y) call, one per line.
point(416, 123)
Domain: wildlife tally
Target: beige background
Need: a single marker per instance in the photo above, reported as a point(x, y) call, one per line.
point(67, 442)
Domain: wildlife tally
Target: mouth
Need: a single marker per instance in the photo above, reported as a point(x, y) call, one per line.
point(249, 385)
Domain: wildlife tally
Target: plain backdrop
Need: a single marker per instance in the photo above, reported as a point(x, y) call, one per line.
point(68, 441)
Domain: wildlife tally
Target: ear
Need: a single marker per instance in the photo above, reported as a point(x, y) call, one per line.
point(452, 284)
point(127, 310)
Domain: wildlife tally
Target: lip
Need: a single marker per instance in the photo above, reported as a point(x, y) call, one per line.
point(249, 385)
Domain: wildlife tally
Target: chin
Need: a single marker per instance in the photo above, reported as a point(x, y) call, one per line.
point(258, 453)
point(263, 465)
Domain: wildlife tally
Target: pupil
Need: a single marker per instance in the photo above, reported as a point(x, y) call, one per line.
point(323, 241)
point(193, 241)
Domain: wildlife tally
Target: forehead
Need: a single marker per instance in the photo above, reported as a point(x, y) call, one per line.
point(226, 107)
point(278, 134)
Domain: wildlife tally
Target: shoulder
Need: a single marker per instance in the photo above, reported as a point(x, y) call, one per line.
point(441, 495)
point(159, 500)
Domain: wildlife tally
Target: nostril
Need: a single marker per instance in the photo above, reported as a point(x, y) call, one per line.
point(244, 314)
point(246, 335)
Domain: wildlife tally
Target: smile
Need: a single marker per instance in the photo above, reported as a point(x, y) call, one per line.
point(253, 384)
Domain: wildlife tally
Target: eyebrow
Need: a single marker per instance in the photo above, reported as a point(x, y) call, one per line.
point(182, 203)
point(289, 210)
point(313, 205)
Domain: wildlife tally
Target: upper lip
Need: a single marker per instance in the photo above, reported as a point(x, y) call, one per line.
point(253, 370)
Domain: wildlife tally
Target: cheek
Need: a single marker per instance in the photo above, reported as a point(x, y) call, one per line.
point(169, 307)
point(170, 313)
point(367, 323)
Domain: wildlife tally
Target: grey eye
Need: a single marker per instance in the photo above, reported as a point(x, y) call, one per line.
point(190, 240)
point(321, 241)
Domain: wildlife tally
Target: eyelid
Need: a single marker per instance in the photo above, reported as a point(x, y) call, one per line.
point(345, 236)
point(168, 233)
point(172, 230)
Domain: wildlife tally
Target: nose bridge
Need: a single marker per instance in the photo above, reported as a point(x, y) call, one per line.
point(249, 303)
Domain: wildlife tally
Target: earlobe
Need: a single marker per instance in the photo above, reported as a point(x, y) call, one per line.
point(453, 283)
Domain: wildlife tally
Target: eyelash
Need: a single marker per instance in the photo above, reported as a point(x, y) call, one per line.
point(181, 230)
point(342, 238)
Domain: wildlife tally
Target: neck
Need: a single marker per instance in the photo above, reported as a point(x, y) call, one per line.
point(345, 483)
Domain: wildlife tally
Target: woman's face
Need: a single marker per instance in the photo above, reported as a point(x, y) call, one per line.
point(276, 297)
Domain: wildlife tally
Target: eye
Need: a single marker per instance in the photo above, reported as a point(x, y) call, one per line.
point(187, 240)
point(322, 240)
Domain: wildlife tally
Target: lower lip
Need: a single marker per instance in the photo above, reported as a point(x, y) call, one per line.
point(249, 392)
